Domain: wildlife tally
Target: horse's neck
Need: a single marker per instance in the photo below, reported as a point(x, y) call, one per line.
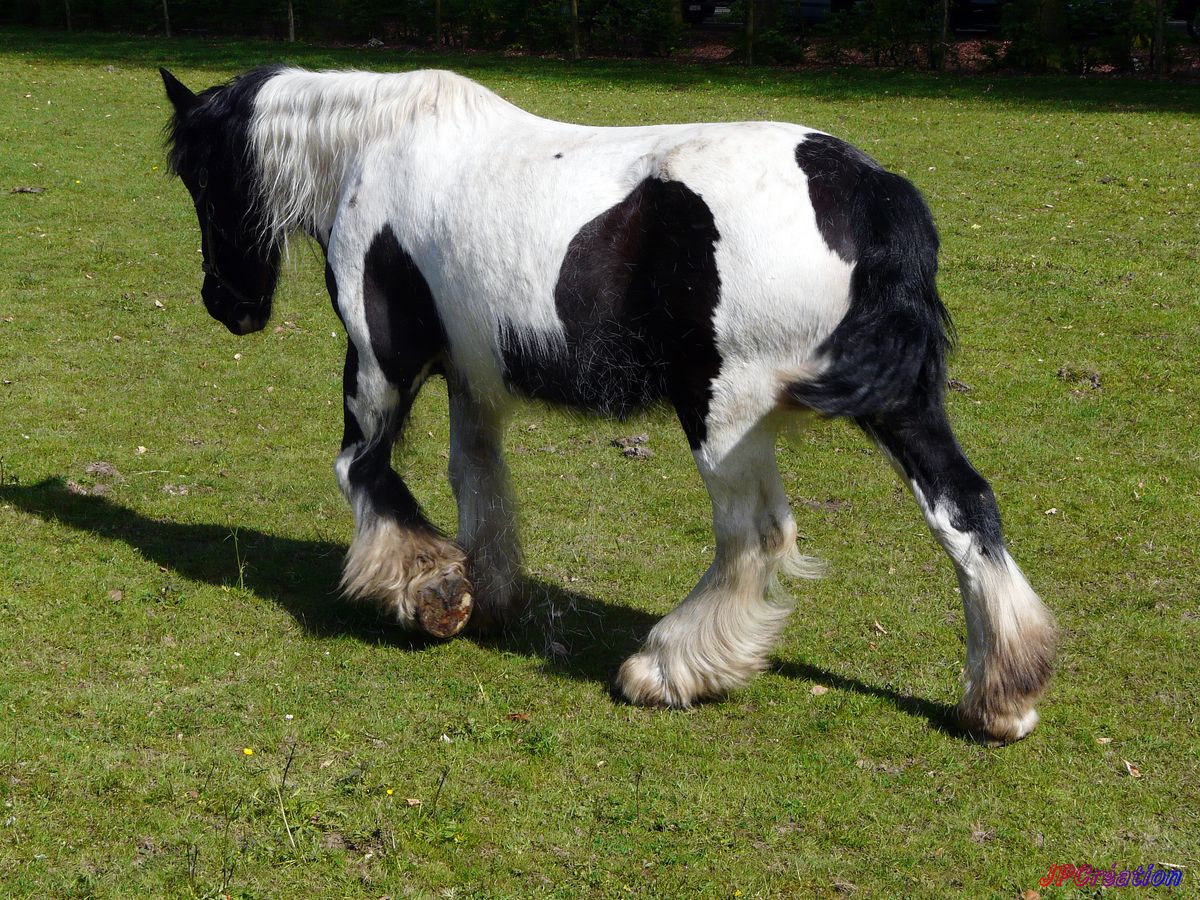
point(311, 130)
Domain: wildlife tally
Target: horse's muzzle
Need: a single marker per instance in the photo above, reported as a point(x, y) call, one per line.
point(239, 315)
point(246, 324)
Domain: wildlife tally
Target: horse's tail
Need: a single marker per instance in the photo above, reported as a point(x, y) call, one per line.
point(893, 341)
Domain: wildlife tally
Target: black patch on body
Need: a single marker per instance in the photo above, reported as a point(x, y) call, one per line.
point(352, 432)
point(636, 294)
point(892, 344)
point(888, 354)
point(920, 439)
point(405, 329)
point(332, 288)
point(406, 334)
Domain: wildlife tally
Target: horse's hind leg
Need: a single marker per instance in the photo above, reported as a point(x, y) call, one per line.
point(722, 633)
point(487, 526)
point(397, 558)
point(1011, 636)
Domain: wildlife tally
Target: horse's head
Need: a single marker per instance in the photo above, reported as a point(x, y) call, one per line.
point(209, 150)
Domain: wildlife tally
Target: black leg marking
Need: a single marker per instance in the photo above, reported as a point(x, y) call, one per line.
point(1011, 636)
point(398, 558)
point(636, 293)
point(921, 440)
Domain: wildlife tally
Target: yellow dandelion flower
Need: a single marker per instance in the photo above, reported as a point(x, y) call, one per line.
point(248, 751)
point(390, 792)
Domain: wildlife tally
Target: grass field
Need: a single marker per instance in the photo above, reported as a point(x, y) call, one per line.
point(187, 709)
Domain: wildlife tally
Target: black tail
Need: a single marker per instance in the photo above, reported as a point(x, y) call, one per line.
point(892, 343)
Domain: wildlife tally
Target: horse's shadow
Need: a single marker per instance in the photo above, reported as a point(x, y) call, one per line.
point(571, 633)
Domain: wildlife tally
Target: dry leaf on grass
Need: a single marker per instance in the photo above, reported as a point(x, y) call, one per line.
point(818, 690)
point(1134, 771)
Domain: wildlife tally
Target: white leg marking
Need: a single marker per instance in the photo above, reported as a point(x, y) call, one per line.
point(1011, 635)
point(721, 634)
point(487, 525)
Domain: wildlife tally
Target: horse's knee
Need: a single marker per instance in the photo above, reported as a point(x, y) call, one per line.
point(341, 471)
point(777, 533)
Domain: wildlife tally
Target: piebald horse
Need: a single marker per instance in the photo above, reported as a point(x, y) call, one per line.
point(745, 273)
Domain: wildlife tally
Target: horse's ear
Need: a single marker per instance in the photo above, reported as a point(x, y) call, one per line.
point(179, 94)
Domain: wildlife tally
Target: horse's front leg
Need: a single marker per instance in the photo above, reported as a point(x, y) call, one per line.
point(487, 526)
point(397, 559)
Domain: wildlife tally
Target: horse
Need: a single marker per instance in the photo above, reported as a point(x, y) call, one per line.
point(746, 274)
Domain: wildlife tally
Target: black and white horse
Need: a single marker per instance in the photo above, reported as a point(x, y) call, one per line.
point(745, 273)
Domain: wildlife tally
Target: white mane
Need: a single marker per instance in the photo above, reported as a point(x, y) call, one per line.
point(309, 128)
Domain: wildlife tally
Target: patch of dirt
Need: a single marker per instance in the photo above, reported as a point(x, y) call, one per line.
point(886, 767)
point(830, 504)
point(101, 469)
point(981, 835)
point(334, 840)
point(634, 446)
point(81, 490)
point(1084, 380)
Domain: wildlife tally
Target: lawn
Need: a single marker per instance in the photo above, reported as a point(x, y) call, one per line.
point(187, 709)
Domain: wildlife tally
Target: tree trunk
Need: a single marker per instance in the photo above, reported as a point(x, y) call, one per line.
point(944, 45)
point(437, 23)
point(1158, 50)
point(750, 32)
point(576, 50)
point(166, 18)
point(68, 5)
point(291, 23)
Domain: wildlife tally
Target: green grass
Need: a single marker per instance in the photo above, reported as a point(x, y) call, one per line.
point(149, 636)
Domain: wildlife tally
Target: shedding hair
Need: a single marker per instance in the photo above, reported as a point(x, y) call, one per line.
point(309, 129)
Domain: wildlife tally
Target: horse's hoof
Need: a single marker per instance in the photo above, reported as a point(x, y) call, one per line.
point(997, 730)
point(444, 604)
point(642, 682)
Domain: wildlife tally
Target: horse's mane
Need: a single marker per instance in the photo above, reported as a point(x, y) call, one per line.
point(309, 127)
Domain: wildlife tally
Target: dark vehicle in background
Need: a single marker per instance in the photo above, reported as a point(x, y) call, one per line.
point(1189, 11)
point(695, 11)
point(976, 15)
